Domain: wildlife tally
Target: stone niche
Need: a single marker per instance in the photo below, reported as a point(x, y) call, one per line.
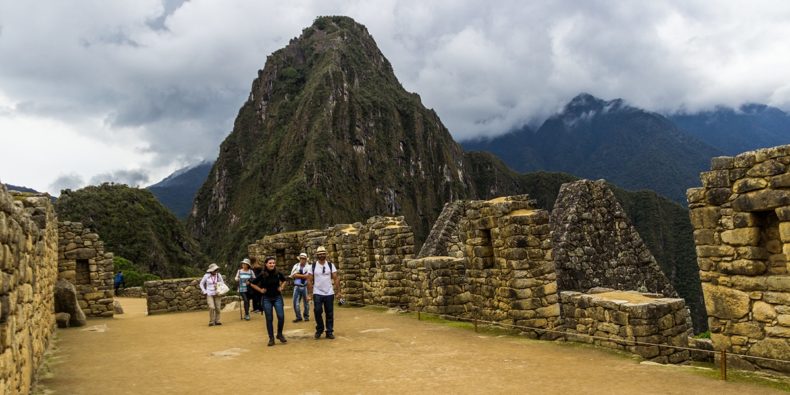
point(741, 220)
point(83, 262)
point(28, 272)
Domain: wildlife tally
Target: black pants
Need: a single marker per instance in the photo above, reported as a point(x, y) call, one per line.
point(255, 296)
point(321, 303)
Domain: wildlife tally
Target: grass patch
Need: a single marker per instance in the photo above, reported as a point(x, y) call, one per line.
point(742, 376)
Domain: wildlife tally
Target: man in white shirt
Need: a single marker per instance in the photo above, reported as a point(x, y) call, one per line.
point(299, 274)
point(322, 283)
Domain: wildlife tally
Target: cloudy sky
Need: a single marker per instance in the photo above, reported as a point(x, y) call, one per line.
point(128, 91)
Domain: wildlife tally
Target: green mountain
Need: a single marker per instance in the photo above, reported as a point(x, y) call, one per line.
point(733, 131)
point(593, 138)
point(177, 190)
point(663, 224)
point(134, 225)
point(328, 135)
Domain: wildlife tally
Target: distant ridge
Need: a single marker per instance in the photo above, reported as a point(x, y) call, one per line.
point(177, 190)
point(593, 138)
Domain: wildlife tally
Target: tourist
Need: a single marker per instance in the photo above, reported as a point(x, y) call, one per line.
point(243, 277)
point(299, 274)
point(270, 283)
point(208, 284)
point(254, 295)
point(119, 281)
point(322, 282)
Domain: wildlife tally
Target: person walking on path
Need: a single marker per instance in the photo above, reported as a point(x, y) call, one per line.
point(270, 283)
point(244, 276)
point(299, 274)
point(254, 295)
point(119, 281)
point(208, 285)
point(322, 283)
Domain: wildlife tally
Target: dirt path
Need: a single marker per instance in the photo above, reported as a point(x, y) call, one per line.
point(375, 352)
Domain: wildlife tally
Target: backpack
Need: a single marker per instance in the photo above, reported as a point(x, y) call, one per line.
point(331, 266)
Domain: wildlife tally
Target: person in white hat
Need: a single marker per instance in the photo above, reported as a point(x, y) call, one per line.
point(323, 284)
point(299, 274)
point(208, 285)
point(243, 277)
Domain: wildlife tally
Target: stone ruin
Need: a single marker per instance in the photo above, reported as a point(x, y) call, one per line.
point(28, 272)
point(83, 262)
point(368, 256)
point(503, 260)
point(741, 221)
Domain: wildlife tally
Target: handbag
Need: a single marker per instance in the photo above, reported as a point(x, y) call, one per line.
point(222, 289)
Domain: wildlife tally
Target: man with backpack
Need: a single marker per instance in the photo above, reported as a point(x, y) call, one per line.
point(322, 283)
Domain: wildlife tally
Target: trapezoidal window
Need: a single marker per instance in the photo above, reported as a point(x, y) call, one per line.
point(83, 272)
point(486, 253)
point(279, 255)
point(771, 242)
point(371, 253)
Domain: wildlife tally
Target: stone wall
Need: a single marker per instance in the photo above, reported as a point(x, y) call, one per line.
point(168, 296)
point(131, 292)
point(509, 262)
point(369, 256)
point(595, 244)
point(83, 262)
point(741, 220)
point(438, 285)
point(617, 319)
point(28, 272)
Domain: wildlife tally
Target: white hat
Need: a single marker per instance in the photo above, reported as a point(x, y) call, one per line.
point(245, 261)
point(212, 267)
point(320, 250)
point(303, 255)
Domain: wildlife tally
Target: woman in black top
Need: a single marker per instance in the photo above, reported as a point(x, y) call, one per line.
point(270, 283)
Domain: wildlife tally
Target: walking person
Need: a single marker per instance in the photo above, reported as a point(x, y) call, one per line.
point(208, 285)
point(322, 286)
point(270, 283)
point(119, 281)
point(299, 274)
point(254, 295)
point(244, 276)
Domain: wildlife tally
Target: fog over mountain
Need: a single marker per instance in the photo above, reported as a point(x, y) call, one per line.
point(131, 91)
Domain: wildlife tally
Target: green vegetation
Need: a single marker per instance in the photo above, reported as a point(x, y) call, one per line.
point(133, 275)
point(703, 335)
point(134, 225)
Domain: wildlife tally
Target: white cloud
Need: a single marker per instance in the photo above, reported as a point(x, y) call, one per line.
point(154, 85)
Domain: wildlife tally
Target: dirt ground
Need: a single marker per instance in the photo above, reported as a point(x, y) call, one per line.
point(375, 352)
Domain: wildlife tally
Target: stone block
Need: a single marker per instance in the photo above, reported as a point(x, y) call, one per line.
point(749, 184)
point(743, 266)
point(778, 283)
point(717, 196)
point(784, 231)
point(764, 312)
point(775, 349)
point(748, 329)
point(780, 181)
point(721, 163)
point(715, 179)
point(761, 200)
point(742, 236)
point(768, 168)
point(777, 331)
point(725, 303)
point(781, 298)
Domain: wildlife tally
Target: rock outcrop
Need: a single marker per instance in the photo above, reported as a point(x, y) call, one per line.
point(66, 302)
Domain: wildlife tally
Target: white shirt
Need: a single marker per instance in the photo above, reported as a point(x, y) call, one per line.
point(295, 270)
point(322, 278)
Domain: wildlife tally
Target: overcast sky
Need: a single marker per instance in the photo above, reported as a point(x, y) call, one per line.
point(128, 91)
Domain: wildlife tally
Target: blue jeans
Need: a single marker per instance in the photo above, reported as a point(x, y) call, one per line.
point(300, 293)
point(277, 303)
point(321, 303)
